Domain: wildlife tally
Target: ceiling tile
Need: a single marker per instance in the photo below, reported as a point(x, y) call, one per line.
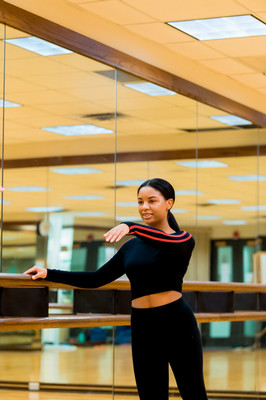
point(256, 63)
point(253, 80)
point(195, 50)
point(226, 66)
point(178, 10)
point(159, 32)
point(254, 5)
point(240, 47)
point(117, 12)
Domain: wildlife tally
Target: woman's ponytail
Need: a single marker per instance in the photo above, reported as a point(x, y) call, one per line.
point(172, 222)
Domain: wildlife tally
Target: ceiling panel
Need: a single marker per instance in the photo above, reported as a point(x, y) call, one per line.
point(227, 66)
point(195, 50)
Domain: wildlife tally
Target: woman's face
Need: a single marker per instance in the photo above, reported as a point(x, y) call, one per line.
point(153, 207)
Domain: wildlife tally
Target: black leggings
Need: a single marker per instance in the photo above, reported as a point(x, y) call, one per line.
point(167, 335)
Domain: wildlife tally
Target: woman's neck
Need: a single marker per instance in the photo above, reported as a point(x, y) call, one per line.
point(164, 226)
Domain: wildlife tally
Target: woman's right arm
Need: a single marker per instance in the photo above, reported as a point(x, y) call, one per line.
point(113, 269)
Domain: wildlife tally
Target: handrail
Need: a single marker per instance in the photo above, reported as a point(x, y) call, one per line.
point(21, 280)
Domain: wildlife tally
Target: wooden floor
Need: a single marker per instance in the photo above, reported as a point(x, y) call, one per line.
point(237, 369)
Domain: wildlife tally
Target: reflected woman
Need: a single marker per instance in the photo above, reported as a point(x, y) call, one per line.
point(164, 328)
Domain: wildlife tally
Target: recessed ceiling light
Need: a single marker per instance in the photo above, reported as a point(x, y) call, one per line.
point(178, 211)
point(44, 209)
point(222, 27)
point(231, 120)
point(128, 218)
point(86, 197)
point(253, 208)
point(75, 170)
point(247, 178)
point(28, 189)
point(77, 130)
point(38, 46)
point(202, 164)
point(128, 204)
point(208, 217)
point(8, 104)
point(150, 88)
point(89, 214)
point(224, 201)
point(234, 222)
point(187, 192)
point(136, 182)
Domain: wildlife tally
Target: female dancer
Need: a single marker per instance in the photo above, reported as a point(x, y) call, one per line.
point(164, 329)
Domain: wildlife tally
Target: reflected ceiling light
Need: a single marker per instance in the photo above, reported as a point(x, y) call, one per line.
point(235, 222)
point(75, 170)
point(86, 197)
point(187, 192)
point(224, 201)
point(28, 189)
point(89, 214)
point(247, 178)
point(253, 208)
point(150, 88)
point(222, 27)
point(77, 130)
point(231, 120)
point(208, 217)
point(136, 182)
point(38, 46)
point(130, 218)
point(202, 164)
point(178, 211)
point(128, 204)
point(5, 202)
point(44, 209)
point(8, 104)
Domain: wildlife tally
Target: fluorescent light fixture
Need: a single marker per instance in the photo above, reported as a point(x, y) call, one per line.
point(38, 46)
point(202, 164)
point(77, 130)
point(178, 211)
point(136, 182)
point(224, 201)
point(28, 189)
point(44, 209)
point(86, 197)
point(207, 217)
point(222, 27)
point(231, 120)
point(235, 222)
point(75, 170)
point(150, 88)
point(128, 204)
point(89, 214)
point(253, 208)
point(5, 202)
point(124, 219)
point(187, 192)
point(8, 104)
point(247, 178)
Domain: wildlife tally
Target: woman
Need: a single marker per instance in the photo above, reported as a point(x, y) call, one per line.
point(164, 329)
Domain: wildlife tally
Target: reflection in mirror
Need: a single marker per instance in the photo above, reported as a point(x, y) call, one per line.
point(59, 197)
point(2, 114)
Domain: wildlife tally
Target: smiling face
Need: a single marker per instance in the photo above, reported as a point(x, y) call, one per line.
point(153, 207)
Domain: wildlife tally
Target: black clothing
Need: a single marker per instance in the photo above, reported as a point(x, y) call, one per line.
point(167, 335)
point(154, 262)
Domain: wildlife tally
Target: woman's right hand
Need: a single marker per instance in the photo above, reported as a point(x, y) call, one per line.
point(37, 272)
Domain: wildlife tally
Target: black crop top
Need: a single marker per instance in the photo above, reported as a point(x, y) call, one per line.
point(154, 262)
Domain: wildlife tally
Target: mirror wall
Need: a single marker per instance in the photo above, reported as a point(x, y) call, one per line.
point(79, 139)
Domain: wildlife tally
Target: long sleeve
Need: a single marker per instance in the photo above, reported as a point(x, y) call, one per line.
point(151, 234)
point(113, 269)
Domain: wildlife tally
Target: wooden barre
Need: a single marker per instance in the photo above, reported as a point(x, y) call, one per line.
point(21, 280)
point(96, 320)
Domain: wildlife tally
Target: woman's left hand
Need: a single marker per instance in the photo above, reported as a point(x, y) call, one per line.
point(116, 233)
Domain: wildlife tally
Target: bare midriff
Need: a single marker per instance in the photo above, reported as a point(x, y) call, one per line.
point(156, 299)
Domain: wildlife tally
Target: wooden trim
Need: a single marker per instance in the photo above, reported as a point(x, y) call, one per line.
point(21, 280)
point(45, 29)
point(182, 154)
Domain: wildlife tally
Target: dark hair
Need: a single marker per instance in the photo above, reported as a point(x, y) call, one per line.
point(168, 192)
